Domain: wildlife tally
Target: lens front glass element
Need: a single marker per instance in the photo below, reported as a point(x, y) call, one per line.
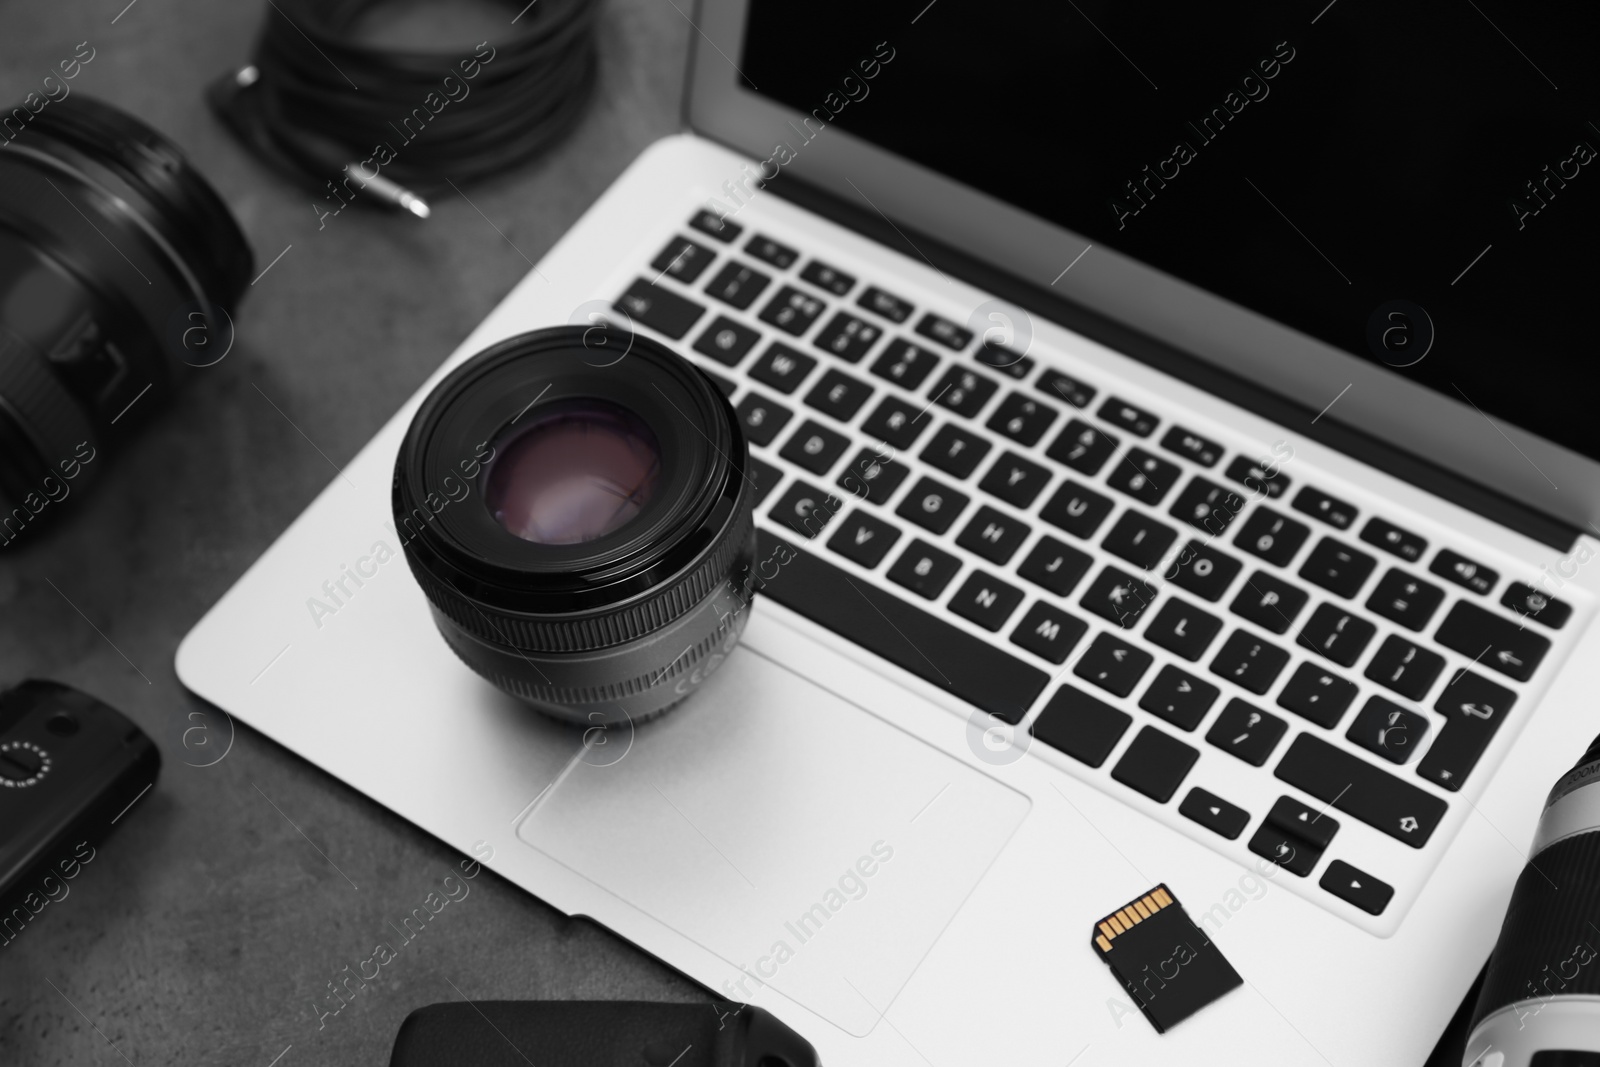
point(573, 472)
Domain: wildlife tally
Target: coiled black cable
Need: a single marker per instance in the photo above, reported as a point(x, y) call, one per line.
point(315, 100)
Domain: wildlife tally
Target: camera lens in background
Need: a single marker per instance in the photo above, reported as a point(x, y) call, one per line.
point(1540, 1002)
point(581, 526)
point(119, 267)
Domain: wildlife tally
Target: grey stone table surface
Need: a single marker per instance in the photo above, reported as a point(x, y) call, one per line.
point(208, 926)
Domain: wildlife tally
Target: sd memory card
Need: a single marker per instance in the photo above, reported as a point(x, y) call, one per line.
point(1169, 967)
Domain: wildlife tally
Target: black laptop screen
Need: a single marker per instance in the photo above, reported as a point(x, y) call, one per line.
point(1390, 178)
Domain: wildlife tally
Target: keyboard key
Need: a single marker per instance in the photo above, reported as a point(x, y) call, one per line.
point(1337, 568)
point(1497, 643)
point(792, 311)
point(1361, 790)
point(1214, 813)
point(986, 600)
point(726, 341)
point(1007, 361)
point(847, 337)
point(726, 386)
point(963, 391)
point(1207, 505)
point(683, 260)
point(764, 476)
point(1314, 694)
point(896, 422)
point(955, 451)
point(1183, 628)
point(1015, 480)
point(972, 668)
point(1118, 597)
point(944, 331)
point(1053, 565)
point(932, 506)
point(782, 367)
point(905, 364)
point(888, 305)
point(1180, 698)
point(1391, 538)
point(1405, 668)
point(923, 569)
point(814, 447)
point(1139, 539)
point(1055, 384)
point(761, 418)
point(1269, 602)
point(1084, 727)
point(823, 276)
point(1357, 887)
point(1464, 572)
point(1257, 478)
point(767, 250)
point(1201, 450)
point(1134, 420)
point(1292, 853)
point(1076, 509)
point(1386, 729)
point(1307, 823)
point(1473, 708)
point(1143, 476)
point(663, 311)
point(1082, 447)
point(839, 395)
point(1335, 633)
point(1249, 662)
point(1408, 601)
point(1320, 505)
point(1021, 419)
point(1537, 605)
point(994, 535)
point(863, 538)
point(1155, 764)
point(871, 477)
point(805, 509)
point(1246, 732)
point(1049, 632)
point(1274, 537)
point(1204, 571)
point(738, 285)
point(1113, 665)
point(709, 223)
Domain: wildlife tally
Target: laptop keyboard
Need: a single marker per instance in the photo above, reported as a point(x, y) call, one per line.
point(1131, 590)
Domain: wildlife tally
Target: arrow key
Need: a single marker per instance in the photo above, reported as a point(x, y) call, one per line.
point(1355, 886)
point(1307, 823)
point(1214, 813)
point(1294, 854)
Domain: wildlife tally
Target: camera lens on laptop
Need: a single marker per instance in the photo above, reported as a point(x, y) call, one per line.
point(117, 266)
point(581, 524)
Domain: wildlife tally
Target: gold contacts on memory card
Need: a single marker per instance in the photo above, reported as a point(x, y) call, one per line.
point(1169, 967)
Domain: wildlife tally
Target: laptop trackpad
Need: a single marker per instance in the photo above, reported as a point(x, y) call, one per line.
point(787, 831)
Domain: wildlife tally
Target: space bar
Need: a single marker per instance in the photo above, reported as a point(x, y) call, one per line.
point(901, 633)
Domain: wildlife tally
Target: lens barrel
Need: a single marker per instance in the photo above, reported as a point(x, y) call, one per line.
point(118, 265)
point(1540, 1003)
point(580, 522)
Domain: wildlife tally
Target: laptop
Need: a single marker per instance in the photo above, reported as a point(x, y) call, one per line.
point(1192, 402)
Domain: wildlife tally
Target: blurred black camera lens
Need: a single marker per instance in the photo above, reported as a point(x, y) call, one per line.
point(582, 527)
point(118, 267)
